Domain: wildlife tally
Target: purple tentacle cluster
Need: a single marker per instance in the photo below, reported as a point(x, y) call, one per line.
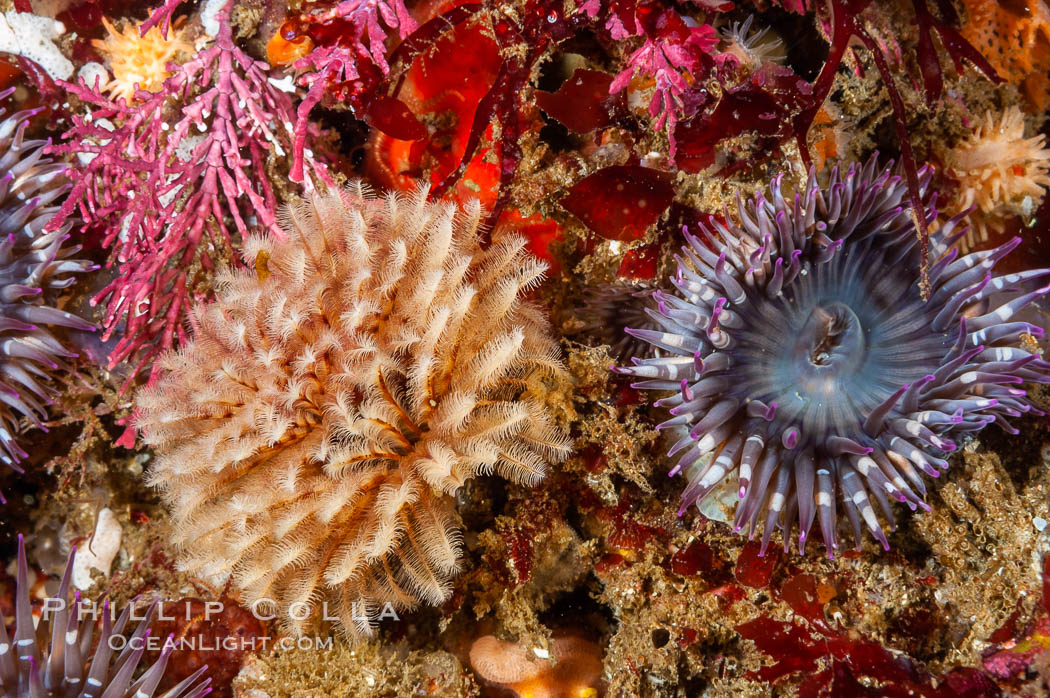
point(609, 309)
point(56, 659)
point(807, 364)
point(33, 265)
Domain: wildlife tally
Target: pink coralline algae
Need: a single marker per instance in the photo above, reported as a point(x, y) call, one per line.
point(170, 180)
point(672, 51)
point(353, 58)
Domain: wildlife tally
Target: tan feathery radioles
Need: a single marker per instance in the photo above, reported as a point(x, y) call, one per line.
point(310, 434)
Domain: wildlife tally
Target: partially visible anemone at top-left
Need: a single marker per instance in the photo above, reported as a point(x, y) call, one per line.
point(34, 267)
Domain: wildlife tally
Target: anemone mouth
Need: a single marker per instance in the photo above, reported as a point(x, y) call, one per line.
point(835, 345)
point(805, 364)
point(832, 339)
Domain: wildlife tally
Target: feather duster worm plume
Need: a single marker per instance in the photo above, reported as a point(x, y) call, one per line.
point(1000, 172)
point(330, 401)
point(33, 266)
point(808, 366)
point(61, 657)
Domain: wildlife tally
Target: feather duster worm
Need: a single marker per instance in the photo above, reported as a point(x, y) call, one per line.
point(56, 659)
point(809, 367)
point(33, 266)
point(310, 433)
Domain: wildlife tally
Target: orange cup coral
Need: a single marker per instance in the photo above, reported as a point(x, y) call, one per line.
point(136, 61)
point(309, 435)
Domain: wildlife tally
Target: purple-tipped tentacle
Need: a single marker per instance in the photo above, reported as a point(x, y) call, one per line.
point(805, 364)
point(60, 658)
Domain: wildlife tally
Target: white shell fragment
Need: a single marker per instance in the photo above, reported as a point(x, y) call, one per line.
point(98, 553)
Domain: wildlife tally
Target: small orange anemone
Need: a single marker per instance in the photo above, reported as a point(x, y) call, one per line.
point(136, 61)
point(1000, 172)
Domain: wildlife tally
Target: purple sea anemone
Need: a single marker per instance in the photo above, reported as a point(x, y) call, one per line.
point(56, 658)
point(33, 265)
point(807, 363)
point(609, 309)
